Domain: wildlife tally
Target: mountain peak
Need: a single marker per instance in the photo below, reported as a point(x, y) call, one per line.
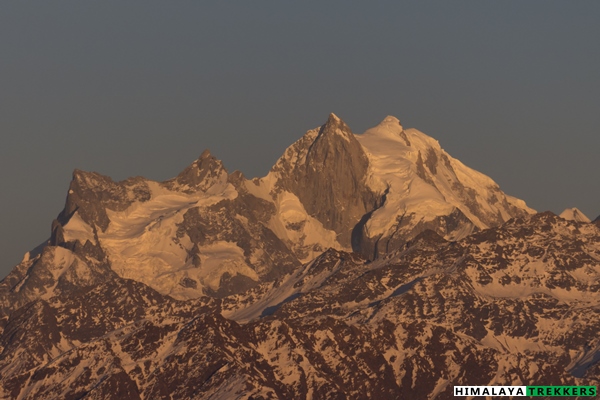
point(90, 179)
point(574, 214)
point(335, 126)
point(205, 154)
point(425, 188)
point(389, 127)
point(327, 172)
point(391, 120)
point(332, 116)
point(200, 175)
point(91, 194)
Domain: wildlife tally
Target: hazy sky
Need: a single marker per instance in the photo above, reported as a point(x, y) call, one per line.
point(511, 88)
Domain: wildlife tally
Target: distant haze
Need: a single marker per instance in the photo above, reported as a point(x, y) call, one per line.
point(511, 88)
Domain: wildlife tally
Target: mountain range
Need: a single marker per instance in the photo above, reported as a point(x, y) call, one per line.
point(362, 265)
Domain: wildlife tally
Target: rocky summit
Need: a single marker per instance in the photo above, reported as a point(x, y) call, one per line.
point(368, 265)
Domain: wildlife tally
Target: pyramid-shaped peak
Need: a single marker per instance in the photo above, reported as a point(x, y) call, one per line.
point(334, 117)
point(574, 214)
point(335, 126)
point(207, 160)
point(199, 175)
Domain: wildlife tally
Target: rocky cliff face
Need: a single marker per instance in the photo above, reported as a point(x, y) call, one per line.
point(327, 171)
point(93, 195)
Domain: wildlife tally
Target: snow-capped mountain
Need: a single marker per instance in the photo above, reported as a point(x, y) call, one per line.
point(573, 214)
point(369, 265)
point(377, 190)
point(208, 232)
point(425, 188)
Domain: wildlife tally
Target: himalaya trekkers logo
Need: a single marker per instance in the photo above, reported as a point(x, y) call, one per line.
point(525, 391)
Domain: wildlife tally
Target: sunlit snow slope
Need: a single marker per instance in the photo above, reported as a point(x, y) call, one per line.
point(425, 188)
point(210, 232)
point(573, 214)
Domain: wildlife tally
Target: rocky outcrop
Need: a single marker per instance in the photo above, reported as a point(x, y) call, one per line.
point(201, 175)
point(91, 194)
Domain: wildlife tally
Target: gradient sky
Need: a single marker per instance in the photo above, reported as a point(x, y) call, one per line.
point(511, 88)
